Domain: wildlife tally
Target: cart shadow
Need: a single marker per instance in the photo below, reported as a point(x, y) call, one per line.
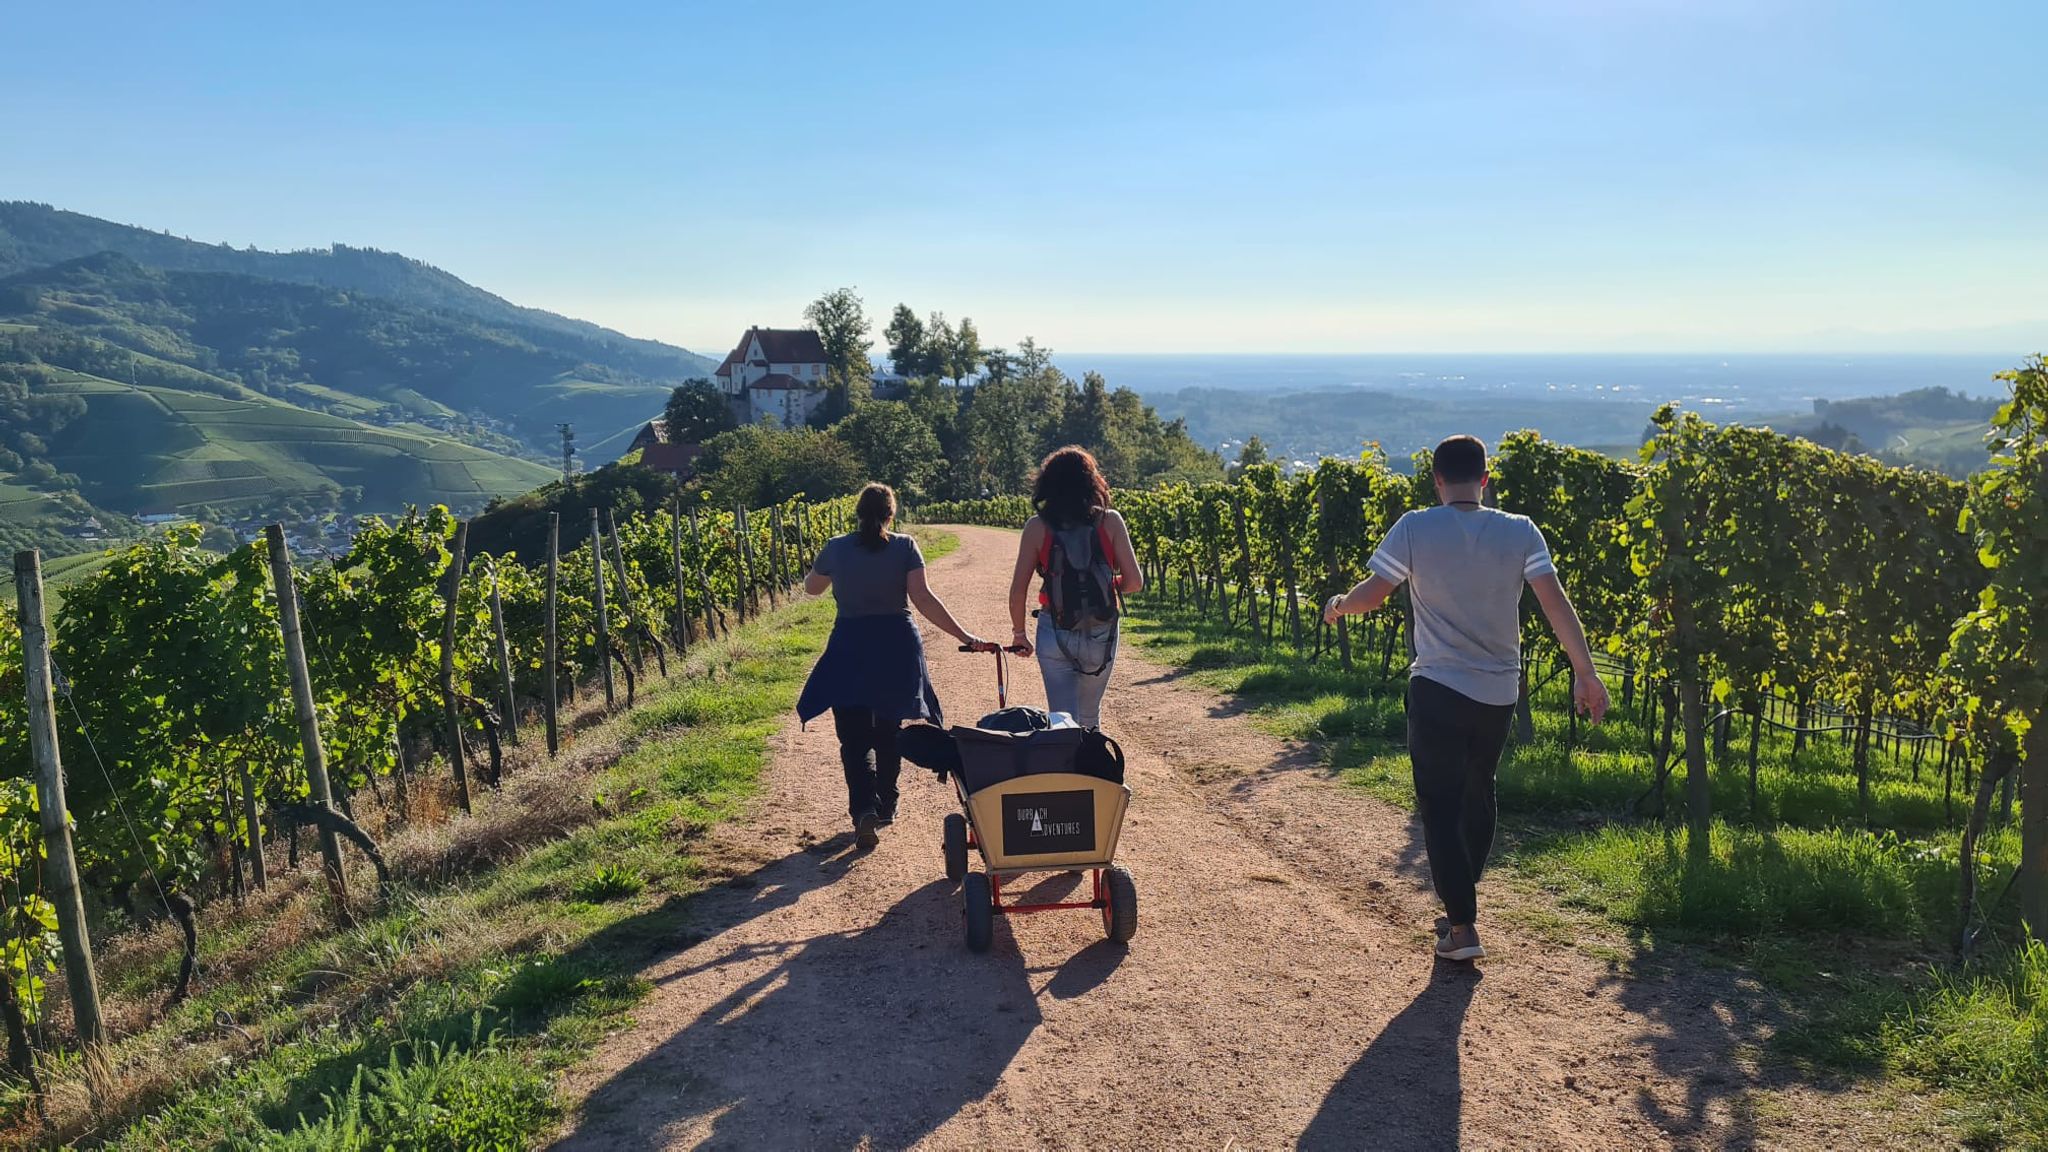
point(1407, 1090)
point(870, 1037)
point(1086, 970)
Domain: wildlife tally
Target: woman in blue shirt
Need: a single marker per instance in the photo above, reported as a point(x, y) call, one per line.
point(872, 676)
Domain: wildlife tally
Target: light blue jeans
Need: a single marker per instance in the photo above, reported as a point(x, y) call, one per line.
point(1065, 658)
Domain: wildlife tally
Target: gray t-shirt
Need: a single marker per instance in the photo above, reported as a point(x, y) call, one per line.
point(870, 582)
point(1465, 568)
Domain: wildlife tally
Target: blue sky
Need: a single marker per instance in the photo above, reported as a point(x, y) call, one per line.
point(1518, 175)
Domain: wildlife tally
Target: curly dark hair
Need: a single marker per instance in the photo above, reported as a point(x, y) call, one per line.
point(1069, 488)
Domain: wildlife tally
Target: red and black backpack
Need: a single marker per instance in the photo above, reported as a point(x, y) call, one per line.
point(1080, 586)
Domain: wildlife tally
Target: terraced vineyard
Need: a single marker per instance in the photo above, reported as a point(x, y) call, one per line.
point(166, 449)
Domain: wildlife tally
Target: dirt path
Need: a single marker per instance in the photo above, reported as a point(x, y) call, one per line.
point(1280, 991)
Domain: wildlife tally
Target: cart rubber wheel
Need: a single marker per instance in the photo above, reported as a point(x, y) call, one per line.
point(1120, 914)
point(956, 846)
point(981, 911)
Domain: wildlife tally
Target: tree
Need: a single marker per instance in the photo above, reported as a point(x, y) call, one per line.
point(907, 349)
point(998, 363)
point(895, 446)
point(938, 345)
point(1253, 453)
point(964, 355)
point(761, 464)
point(696, 411)
point(1090, 421)
point(842, 325)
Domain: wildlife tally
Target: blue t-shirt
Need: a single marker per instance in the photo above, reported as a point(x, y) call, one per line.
point(870, 582)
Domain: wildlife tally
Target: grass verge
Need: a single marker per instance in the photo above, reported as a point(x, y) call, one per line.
point(1801, 876)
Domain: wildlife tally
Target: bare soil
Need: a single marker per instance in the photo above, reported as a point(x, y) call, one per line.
point(1280, 992)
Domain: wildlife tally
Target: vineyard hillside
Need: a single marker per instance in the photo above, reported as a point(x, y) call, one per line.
point(160, 449)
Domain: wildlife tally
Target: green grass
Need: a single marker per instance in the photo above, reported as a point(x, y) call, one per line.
point(1770, 888)
point(470, 995)
point(1982, 1033)
point(610, 882)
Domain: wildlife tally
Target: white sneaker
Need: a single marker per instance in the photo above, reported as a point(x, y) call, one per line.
point(1446, 950)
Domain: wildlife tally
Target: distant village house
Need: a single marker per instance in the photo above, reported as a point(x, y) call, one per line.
point(659, 454)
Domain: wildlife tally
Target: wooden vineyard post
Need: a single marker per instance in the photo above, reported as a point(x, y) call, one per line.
point(60, 867)
point(683, 593)
point(739, 561)
point(1245, 591)
point(1293, 591)
point(704, 579)
point(314, 752)
point(451, 710)
point(401, 772)
point(253, 817)
point(775, 556)
point(625, 590)
point(504, 658)
point(552, 658)
point(2032, 774)
point(604, 626)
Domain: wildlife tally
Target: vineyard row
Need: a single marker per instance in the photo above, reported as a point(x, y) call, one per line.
point(198, 713)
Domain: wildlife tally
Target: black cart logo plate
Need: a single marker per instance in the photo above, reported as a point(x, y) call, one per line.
point(1041, 823)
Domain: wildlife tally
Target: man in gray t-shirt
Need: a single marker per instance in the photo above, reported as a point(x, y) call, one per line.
point(1465, 565)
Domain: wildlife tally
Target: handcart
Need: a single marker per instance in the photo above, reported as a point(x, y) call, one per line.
point(1027, 807)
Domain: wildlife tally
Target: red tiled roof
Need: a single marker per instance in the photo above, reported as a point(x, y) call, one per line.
point(779, 382)
point(791, 345)
point(778, 346)
point(675, 459)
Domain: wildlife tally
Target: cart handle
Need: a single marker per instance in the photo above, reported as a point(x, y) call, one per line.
point(1002, 674)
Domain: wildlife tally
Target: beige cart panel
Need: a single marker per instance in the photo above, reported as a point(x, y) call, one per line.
point(986, 807)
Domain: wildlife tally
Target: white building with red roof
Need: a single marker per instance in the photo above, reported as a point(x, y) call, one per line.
point(775, 372)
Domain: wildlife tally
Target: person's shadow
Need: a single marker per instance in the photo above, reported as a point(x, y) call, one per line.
point(866, 1038)
point(1405, 1091)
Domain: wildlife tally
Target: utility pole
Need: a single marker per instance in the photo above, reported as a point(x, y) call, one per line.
point(62, 867)
point(568, 434)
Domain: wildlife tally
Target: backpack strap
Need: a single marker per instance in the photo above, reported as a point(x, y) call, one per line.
point(1109, 558)
point(1044, 569)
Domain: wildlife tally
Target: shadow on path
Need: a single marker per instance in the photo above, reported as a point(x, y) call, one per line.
point(1406, 1090)
point(866, 1038)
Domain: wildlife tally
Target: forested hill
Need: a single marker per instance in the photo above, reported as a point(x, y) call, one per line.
point(314, 346)
point(143, 373)
point(38, 235)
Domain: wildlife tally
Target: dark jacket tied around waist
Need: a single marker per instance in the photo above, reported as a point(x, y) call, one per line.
point(872, 662)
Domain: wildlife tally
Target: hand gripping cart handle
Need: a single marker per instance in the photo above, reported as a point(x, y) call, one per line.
point(1002, 675)
point(1024, 807)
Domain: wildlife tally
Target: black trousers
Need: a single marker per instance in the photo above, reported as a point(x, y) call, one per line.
point(1454, 745)
point(867, 750)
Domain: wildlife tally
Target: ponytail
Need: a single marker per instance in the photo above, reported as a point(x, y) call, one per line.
point(875, 508)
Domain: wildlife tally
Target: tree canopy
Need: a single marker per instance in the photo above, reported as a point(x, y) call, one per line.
point(696, 411)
